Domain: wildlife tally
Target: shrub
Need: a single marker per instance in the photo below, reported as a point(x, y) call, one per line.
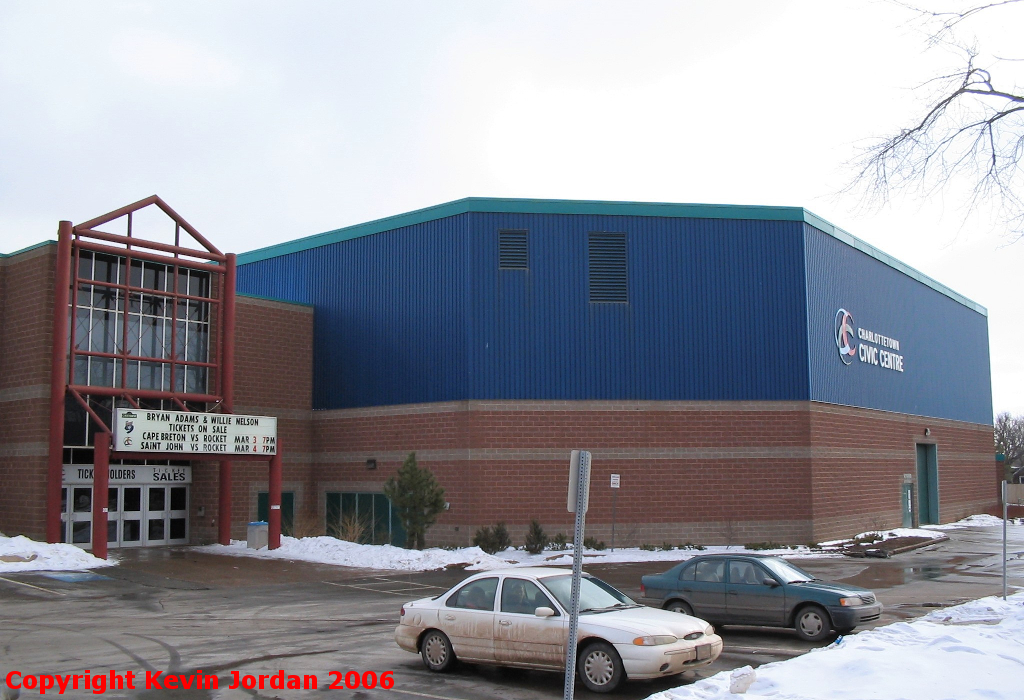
point(493, 540)
point(559, 543)
point(691, 545)
point(667, 546)
point(648, 547)
point(536, 538)
point(418, 499)
point(351, 528)
point(592, 543)
point(765, 545)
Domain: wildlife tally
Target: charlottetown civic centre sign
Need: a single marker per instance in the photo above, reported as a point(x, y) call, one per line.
point(141, 430)
point(875, 349)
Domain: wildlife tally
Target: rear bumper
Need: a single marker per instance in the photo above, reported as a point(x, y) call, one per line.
point(668, 660)
point(406, 636)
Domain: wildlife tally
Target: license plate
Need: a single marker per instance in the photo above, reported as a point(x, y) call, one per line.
point(703, 652)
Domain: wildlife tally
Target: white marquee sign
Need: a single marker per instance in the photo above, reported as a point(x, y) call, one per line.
point(141, 430)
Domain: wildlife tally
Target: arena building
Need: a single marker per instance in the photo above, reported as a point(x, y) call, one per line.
point(748, 374)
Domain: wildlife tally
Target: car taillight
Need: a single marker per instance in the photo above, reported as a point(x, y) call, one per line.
point(643, 589)
point(403, 612)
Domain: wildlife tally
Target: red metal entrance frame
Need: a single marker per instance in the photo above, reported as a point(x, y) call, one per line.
point(71, 241)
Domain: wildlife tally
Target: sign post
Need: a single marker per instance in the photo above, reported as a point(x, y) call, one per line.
point(579, 499)
point(615, 497)
point(1012, 494)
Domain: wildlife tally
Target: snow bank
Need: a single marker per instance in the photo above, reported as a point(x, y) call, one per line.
point(328, 550)
point(22, 554)
point(974, 650)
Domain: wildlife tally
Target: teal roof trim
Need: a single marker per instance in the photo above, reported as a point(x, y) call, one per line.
point(25, 250)
point(592, 207)
point(275, 299)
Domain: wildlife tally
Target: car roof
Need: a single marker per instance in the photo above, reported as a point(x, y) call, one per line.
point(716, 555)
point(534, 571)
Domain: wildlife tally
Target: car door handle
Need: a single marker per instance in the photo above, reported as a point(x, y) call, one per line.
point(733, 592)
point(449, 617)
point(504, 623)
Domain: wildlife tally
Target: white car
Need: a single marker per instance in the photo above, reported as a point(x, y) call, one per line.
point(518, 617)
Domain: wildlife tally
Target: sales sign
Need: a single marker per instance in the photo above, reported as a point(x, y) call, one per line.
point(140, 430)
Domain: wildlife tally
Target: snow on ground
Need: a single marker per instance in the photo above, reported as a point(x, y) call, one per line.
point(970, 521)
point(22, 554)
point(970, 651)
point(880, 535)
point(328, 550)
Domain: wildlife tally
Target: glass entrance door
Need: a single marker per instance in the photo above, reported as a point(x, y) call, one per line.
point(131, 516)
point(166, 515)
point(137, 516)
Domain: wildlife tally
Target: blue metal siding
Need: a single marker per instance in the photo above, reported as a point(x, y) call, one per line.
point(423, 313)
point(389, 326)
point(944, 343)
point(715, 312)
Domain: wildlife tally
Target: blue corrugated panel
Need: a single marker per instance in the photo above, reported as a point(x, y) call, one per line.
point(423, 313)
point(944, 343)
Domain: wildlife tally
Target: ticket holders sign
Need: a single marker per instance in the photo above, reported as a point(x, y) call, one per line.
point(141, 430)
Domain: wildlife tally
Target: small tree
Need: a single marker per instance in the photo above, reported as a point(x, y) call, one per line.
point(1009, 437)
point(536, 538)
point(418, 499)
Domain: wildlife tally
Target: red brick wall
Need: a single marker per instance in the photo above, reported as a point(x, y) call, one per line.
point(860, 457)
point(707, 472)
point(26, 318)
point(273, 376)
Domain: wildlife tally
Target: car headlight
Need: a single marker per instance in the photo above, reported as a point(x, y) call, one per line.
point(655, 640)
point(693, 635)
point(710, 630)
point(852, 600)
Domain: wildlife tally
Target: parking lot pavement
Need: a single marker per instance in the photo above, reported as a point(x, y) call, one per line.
point(176, 611)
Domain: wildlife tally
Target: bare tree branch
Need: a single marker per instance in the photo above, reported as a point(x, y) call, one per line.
point(972, 131)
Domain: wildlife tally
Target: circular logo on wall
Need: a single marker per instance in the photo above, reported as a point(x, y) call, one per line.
point(844, 336)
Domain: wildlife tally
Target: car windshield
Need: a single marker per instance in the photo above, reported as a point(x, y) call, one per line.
point(786, 572)
point(595, 594)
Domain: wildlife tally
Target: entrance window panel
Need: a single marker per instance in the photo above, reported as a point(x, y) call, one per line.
point(178, 498)
point(131, 531)
point(64, 500)
point(133, 499)
point(112, 499)
point(81, 532)
point(83, 500)
point(156, 498)
point(177, 528)
point(156, 529)
point(111, 531)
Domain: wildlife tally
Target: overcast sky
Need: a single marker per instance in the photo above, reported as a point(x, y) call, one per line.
point(262, 122)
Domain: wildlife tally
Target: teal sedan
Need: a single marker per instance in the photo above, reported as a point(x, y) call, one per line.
point(750, 589)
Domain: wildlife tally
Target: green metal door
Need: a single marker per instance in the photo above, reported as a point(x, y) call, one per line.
point(287, 509)
point(927, 485)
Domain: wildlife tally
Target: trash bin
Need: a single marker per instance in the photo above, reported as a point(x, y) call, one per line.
point(258, 535)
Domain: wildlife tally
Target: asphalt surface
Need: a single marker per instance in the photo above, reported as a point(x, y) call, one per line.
point(176, 611)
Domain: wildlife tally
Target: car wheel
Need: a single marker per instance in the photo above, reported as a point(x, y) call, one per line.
point(812, 623)
point(679, 606)
point(600, 668)
point(436, 651)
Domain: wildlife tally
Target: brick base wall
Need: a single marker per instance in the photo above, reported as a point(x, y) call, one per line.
point(705, 472)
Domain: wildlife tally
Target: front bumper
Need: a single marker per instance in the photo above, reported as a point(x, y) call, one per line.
point(849, 617)
point(668, 659)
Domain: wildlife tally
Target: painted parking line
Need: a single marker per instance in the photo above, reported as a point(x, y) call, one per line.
point(29, 585)
point(388, 586)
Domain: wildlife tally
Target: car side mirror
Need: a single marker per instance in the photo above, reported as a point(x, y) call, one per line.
point(544, 612)
point(771, 583)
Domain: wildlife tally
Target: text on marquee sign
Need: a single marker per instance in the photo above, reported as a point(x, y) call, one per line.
point(140, 430)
